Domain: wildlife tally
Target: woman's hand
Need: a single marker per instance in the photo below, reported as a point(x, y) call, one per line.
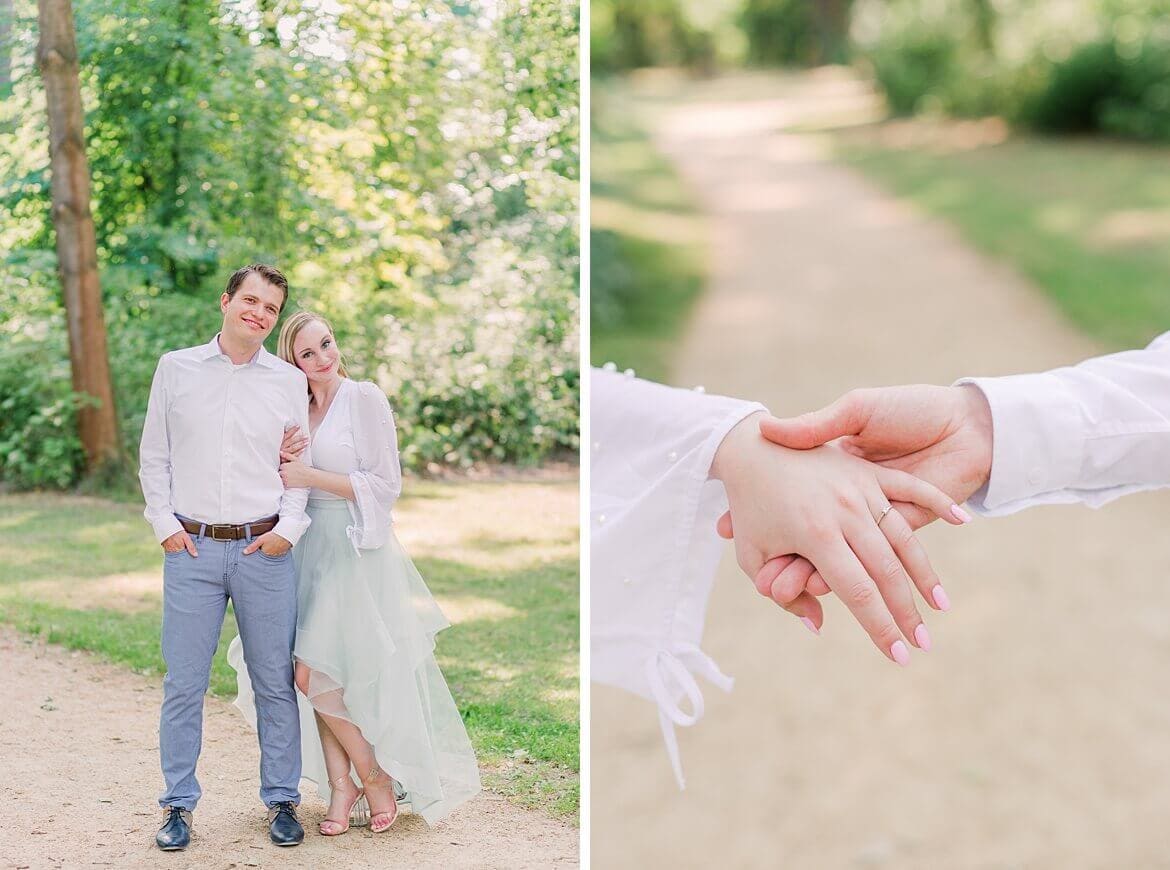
point(293, 445)
point(794, 583)
point(296, 474)
point(941, 434)
point(831, 508)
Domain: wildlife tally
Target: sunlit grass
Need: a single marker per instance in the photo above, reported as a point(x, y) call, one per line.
point(1087, 220)
point(501, 558)
point(648, 240)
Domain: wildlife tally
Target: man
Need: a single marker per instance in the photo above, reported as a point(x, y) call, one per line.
point(1087, 433)
point(209, 472)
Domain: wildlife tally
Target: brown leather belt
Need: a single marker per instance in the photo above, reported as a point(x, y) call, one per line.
point(229, 532)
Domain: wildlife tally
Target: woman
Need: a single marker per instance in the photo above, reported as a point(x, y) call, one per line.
point(373, 701)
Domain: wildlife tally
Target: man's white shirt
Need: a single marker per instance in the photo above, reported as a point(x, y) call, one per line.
point(1087, 433)
point(210, 444)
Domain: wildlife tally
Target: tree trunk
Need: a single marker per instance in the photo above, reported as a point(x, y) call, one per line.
point(832, 23)
point(983, 13)
point(76, 242)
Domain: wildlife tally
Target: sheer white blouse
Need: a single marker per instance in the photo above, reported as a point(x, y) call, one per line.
point(654, 549)
point(357, 438)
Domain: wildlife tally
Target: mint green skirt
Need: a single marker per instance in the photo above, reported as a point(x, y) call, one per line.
point(366, 626)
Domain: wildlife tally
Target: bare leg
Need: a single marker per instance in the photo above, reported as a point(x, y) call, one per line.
point(379, 787)
point(343, 792)
point(349, 738)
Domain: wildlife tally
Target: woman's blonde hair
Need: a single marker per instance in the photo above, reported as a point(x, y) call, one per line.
point(292, 328)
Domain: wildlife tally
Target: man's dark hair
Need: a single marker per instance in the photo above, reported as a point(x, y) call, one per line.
point(269, 273)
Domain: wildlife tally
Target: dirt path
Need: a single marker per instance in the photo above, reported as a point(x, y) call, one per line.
point(1037, 733)
point(79, 780)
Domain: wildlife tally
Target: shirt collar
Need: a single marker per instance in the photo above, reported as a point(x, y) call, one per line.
point(269, 360)
point(262, 357)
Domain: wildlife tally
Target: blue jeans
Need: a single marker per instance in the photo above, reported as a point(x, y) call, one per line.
point(195, 596)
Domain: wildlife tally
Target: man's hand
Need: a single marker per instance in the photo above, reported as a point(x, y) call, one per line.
point(179, 541)
point(939, 434)
point(270, 544)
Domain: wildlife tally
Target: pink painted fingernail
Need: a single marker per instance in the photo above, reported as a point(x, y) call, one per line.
point(960, 514)
point(940, 598)
point(900, 653)
point(810, 625)
point(922, 638)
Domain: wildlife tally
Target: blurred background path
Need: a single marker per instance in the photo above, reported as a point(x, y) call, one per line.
point(1037, 732)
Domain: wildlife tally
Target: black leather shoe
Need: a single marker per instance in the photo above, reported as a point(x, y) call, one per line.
point(175, 833)
point(283, 827)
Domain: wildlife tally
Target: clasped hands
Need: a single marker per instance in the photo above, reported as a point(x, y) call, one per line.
point(808, 510)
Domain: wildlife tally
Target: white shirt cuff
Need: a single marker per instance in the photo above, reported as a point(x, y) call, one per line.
point(164, 527)
point(289, 530)
point(1038, 442)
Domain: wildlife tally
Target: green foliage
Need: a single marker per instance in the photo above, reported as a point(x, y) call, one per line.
point(935, 56)
point(1140, 109)
point(643, 283)
point(796, 32)
point(412, 166)
point(39, 444)
point(630, 34)
point(1076, 90)
point(1104, 69)
point(1107, 86)
point(920, 62)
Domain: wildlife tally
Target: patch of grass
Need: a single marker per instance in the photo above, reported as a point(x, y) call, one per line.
point(85, 573)
point(1087, 220)
point(130, 639)
point(534, 784)
point(515, 676)
point(648, 248)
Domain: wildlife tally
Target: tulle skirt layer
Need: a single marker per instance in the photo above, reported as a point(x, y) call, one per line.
point(366, 626)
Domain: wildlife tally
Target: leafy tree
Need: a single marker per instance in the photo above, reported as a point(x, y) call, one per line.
point(411, 165)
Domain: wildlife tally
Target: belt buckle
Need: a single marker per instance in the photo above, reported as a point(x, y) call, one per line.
point(228, 528)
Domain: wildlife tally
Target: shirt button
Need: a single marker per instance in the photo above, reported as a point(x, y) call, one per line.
point(601, 519)
point(626, 581)
point(700, 389)
point(672, 456)
point(1035, 476)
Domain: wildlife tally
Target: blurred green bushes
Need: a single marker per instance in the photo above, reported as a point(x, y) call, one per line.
point(796, 32)
point(630, 34)
point(1087, 67)
point(1060, 66)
